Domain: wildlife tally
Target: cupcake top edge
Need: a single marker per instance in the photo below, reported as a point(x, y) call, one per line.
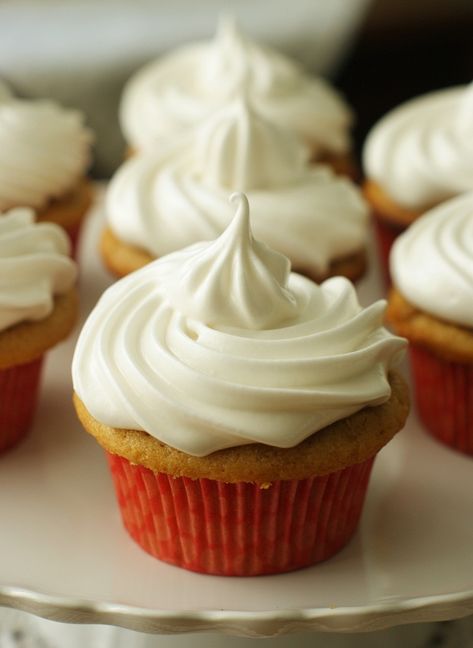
point(34, 267)
point(432, 261)
point(178, 90)
point(420, 153)
point(219, 345)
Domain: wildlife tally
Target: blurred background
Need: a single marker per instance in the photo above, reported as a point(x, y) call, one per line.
point(377, 52)
point(404, 49)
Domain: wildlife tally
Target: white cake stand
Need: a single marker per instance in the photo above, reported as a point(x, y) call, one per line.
point(65, 556)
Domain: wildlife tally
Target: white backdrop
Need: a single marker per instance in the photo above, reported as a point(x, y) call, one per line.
point(80, 52)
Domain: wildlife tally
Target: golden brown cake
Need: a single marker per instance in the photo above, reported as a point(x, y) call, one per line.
point(445, 339)
point(122, 258)
point(346, 442)
point(26, 341)
point(70, 210)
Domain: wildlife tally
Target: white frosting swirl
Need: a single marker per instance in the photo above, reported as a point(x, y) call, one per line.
point(166, 202)
point(34, 267)
point(44, 151)
point(421, 153)
point(179, 90)
point(218, 345)
point(432, 261)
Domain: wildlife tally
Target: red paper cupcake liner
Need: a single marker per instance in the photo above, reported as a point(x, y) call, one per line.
point(19, 388)
point(239, 529)
point(386, 234)
point(444, 398)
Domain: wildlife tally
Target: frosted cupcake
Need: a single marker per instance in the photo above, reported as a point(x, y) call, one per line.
point(38, 308)
point(432, 305)
point(241, 406)
point(178, 91)
point(158, 204)
point(44, 155)
point(416, 157)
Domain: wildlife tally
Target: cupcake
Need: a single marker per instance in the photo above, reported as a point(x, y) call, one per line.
point(240, 405)
point(44, 154)
point(38, 307)
point(432, 305)
point(416, 157)
point(177, 91)
point(157, 204)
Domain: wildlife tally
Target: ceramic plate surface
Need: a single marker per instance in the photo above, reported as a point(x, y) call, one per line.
point(64, 554)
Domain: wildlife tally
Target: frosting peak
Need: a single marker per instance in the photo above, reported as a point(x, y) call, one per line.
point(167, 201)
point(177, 91)
point(226, 60)
point(238, 150)
point(236, 281)
point(236, 65)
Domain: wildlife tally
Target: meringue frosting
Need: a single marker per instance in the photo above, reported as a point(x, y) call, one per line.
point(219, 345)
point(34, 267)
point(178, 90)
point(164, 202)
point(44, 151)
point(432, 261)
point(421, 153)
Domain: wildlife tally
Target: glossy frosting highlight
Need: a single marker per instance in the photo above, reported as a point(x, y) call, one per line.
point(166, 202)
point(219, 345)
point(44, 151)
point(421, 153)
point(34, 267)
point(432, 262)
point(179, 90)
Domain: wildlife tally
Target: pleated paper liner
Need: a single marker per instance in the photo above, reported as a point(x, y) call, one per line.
point(239, 529)
point(444, 398)
point(19, 387)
